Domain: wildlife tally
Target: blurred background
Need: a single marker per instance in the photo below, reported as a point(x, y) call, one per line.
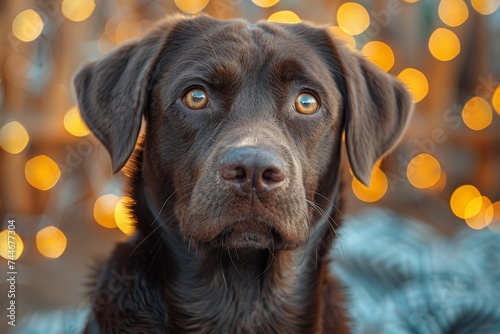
point(56, 186)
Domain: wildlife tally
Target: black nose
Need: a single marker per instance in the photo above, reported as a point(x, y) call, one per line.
point(249, 169)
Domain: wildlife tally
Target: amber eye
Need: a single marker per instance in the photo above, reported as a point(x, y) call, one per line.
point(306, 104)
point(196, 98)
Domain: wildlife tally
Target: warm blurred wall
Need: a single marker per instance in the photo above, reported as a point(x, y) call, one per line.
point(53, 172)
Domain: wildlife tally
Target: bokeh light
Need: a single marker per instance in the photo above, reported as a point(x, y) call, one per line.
point(353, 18)
point(284, 16)
point(423, 171)
point(444, 45)
point(483, 218)
point(338, 33)
point(460, 200)
point(380, 54)
point(191, 6)
point(123, 219)
point(375, 191)
point(416, 82)
point(104, 210)
point(42, 172)
point(4, 245)
point(453, 12)
point(495, 221)
point(265, 3)
point(51, 242)
point(127, 30)
point(77, 10)
point(13, 137)
point(495, 100)
point(477, 113)
point(485, 7)
point(441, 183)
point(73, 123)
point(27, 25)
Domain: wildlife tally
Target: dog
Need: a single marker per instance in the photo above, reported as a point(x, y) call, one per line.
point(235, 178)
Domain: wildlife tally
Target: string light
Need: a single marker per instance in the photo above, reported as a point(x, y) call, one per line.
point(444, 45)
point(495, 221)
point(42, 172)
point(27, 25)
point(483, 218)
point(423, 171)
point(191, 6)
point(353, 18)
point(460, 200)
point(375, 191)
point(284, 16)
point(441, 183)
point(77, 10)
point(104, 210)
point(485, 7)
point(265, 3)
point(477, 113)
point(13, 137)
point(123, 218)
point(416, 83)
point(495, 100)
point(73, 123)
point(380, 54)
point(453, 12)
point(51, 242)
point(4, 245)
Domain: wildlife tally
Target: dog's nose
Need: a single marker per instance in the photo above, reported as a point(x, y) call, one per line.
point(249, 169)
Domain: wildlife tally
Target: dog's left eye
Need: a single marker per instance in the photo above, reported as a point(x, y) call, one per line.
point(196, 98)
point(306, 103)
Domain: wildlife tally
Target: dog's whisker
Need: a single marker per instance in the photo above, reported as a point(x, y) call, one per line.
point(234, 264)
point(144, 239)
point(158, 246)
point(225, 281)
point(325, 217)
point(326, 198)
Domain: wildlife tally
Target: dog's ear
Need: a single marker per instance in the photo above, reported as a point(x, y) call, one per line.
point(377, 110)
point(113, 92)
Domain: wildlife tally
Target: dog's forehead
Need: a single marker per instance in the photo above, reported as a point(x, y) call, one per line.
point(256, 41)
point(239, 48)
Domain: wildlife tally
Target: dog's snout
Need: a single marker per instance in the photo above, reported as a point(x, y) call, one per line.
point(249, 169)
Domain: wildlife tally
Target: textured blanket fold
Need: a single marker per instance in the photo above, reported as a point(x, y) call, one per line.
point(403, 277)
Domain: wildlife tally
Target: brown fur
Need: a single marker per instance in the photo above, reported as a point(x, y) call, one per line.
point(205, 259)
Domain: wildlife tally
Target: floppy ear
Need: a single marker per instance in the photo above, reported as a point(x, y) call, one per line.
point(377, 109)
point(113, 92)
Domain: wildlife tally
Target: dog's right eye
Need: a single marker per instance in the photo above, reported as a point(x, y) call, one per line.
point(196, 98)
point(306, 104)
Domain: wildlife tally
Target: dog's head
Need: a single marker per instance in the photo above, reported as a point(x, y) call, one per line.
point(243, 123)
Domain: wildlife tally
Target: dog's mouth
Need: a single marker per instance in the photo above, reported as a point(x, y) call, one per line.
point(248, 234)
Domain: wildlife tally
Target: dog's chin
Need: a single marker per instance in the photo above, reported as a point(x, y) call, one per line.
point(248, 235)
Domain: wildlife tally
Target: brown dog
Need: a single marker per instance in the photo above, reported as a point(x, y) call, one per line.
point(236, 183)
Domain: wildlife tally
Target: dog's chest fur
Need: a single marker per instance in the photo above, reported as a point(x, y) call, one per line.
point(180, 289)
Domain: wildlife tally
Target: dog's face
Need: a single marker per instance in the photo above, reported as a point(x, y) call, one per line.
point(243, 123)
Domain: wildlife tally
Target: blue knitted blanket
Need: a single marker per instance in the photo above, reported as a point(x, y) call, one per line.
point(402, 277)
